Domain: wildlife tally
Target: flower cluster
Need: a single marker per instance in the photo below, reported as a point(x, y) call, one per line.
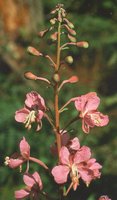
point(77, 162)
point(74, 162)
point(33, 111)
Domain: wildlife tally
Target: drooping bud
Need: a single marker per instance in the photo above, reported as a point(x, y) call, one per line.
point(71, 31)
point(30, 76)
point(69, 59)
point(33, 51)
point(82, 44)
point(54, 36)
point(71, 38)
point(42, 33)
point(69, 23)
point(72, 79)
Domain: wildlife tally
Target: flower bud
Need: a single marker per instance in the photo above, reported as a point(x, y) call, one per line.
point(54, 36)
point(53, 21)
point(82, 44)
point(42, 33)
point(68, 23)
point(30, 76)
point(56, 78)
point(69, 59)
point(33, 51)
point(71, 38)
point(71, 31)
point(73, 79)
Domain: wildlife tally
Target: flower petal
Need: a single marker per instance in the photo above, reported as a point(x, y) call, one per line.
point(13, 163)
point(82, 155)
point(64, 155)
point(20, 115)
point(38, 179)
point(87, 102)
point(60, 173)
point(29, 180)
point(24, 148)
point(19, 194)
point(75, 144)
point(34, 99)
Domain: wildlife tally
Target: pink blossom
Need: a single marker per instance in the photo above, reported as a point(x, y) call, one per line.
point(17, 159)
point(87, 105)
point(104, 197)
point(78, 165)
point(33, 110)
point(33, 186)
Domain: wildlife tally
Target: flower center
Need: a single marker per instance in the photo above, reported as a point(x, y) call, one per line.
point(74, 176)
point(30, 119)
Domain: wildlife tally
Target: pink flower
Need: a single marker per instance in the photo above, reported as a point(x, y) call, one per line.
point(78, 165)
point(104, 197)
point(17, 160)
point(33, 110)
point(87, 105)
point(33, 186)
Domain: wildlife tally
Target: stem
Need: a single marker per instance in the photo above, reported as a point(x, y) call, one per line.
point(56, 99)
point(58, 46)
point(38, 161)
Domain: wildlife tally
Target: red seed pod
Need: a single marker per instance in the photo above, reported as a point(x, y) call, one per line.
point(33, 51)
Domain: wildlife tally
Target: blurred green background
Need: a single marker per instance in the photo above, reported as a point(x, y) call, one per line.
point(96, 22)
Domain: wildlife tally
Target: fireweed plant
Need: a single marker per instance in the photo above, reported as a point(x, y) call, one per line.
point(74, 162)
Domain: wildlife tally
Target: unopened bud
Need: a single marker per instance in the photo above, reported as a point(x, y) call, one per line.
point(73, 79)
point(33, 51)
point(71, 31)
point(54, 36)
point(71, 38)
point(69, 23)
point(56, 78)
point(69, 59)
point(53, 21)
point(42, 33)
point(30, 76)
point(82, 44)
